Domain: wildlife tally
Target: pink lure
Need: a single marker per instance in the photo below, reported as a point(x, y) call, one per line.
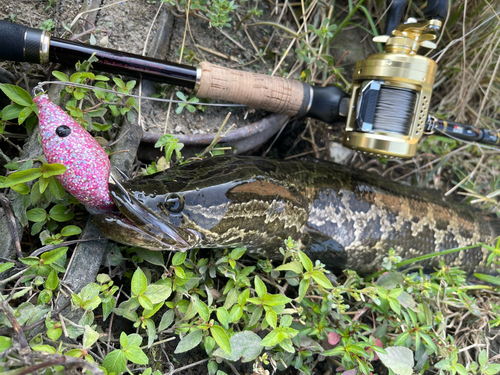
point(64, 141)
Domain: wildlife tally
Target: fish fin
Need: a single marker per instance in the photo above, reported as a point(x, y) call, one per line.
point(318, 246)
point(117, 176)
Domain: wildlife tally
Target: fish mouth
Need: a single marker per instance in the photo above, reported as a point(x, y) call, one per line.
point(139, 226)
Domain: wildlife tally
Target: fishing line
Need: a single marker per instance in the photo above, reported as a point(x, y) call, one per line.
point(38, 90)
point(394, 110)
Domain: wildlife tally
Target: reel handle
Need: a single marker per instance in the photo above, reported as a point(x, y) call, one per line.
point(22, 43)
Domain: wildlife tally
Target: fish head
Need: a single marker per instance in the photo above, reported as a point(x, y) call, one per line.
point(87, 165)
point(214, 203)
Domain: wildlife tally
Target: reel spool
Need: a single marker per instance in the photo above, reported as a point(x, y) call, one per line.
point(391, 93)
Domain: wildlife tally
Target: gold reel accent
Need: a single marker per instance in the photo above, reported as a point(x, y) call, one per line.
point(395, 124)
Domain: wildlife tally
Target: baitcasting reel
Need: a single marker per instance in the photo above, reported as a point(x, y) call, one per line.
point(391, 93)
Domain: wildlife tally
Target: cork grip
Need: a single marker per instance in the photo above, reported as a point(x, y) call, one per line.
point(274, 94)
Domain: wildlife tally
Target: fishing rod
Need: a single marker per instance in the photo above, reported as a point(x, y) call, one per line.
point(386, 113)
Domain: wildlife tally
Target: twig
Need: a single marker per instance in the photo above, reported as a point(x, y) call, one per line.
point(188, 366)
point(13, 277)
point(12, 224)
point(61, 360)
point(468, 177)
point(111, 320)
point(62, 244)
point(63, 325)
point(21, 338)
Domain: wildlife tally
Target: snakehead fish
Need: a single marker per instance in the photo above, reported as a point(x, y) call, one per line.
point(343, 217)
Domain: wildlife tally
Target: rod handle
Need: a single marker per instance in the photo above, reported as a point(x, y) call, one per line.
point(274, 94)
point(22, 43)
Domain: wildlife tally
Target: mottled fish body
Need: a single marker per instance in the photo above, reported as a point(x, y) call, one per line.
point(343, 217)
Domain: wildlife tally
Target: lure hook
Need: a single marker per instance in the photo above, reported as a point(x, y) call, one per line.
point(38, 90)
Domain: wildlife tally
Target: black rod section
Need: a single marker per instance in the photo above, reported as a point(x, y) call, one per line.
point(463, 131)
point(117, 62)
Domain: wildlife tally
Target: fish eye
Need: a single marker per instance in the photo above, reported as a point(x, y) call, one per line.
point(63, 131)
point(174, 203)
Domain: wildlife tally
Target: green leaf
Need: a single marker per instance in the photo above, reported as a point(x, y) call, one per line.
point(406, 300)
point(22, 176)
point(55, 169)
point(273, 338)
point(17, 94)
point(179, 272)
point(260, 287)
point(223, 317)
point(89, 337)
point(36, 215)
point(134, 339)
point(178, 258)
point(286, 321)
point(136, 355)
point(272, 318)
point(107, 308)
point(139, 282)
point(11, 112)
point(145, 302)
point(399, 359)
point(158, 292)
point(210, 345)
point(119, 83)
point(51, 256)
point(189, 342)
point(255, 317)
point(321, 279)
point(61, 213)
point(390, 280)
point(236, 313)
point(42, 184)
point(203, 310)
point(306, 262)
point(24, 114)
point(237, 253)
point(123, 340)
point(52, 280)
point(71, 230)
point(245, 346)
point(294, 266)
point(303, 288)
point(21, 188)
point(60, 76)
point(44, 348)
point(492, 369)
point(166, 320)
point(395, 305)
point(276, 299)
point(460, 369)
point(116, 362)
point(5, 343)
point(6, 266)
point(488, 278)
point(221, 338)
point(483, 358)
point(153, 257)
point(151, 331)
